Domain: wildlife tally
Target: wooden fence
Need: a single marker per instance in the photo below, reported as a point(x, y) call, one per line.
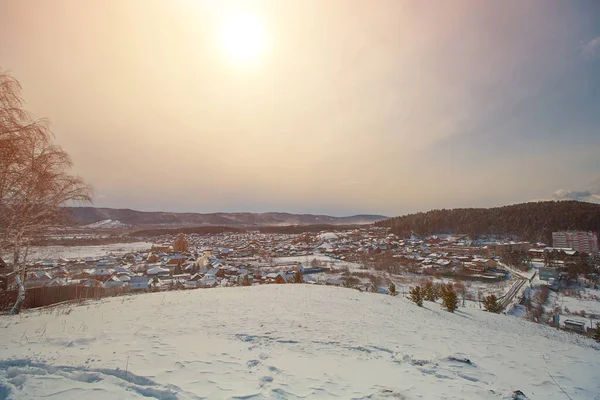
point(45, 296)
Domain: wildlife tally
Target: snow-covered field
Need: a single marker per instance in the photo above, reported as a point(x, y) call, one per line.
point(587, 300)
point(286, 342)
point(107, 223)
point(73, 252)
point(325, 261)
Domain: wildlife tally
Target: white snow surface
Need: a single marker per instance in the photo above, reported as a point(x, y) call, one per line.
point(286, 342)
point(328, 236)
point(80, 252)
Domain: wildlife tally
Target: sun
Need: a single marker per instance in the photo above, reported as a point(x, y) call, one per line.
point(243, 37)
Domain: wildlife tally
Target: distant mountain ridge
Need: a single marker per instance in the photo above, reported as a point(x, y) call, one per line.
point(92, 215)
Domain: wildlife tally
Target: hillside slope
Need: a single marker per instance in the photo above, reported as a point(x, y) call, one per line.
point(286, 342)
point(530, 221)
point(90, 215)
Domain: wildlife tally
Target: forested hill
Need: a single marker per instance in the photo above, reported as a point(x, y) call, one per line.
point(530, 221)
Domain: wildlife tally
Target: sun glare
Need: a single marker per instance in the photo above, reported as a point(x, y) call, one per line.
point(243, 37)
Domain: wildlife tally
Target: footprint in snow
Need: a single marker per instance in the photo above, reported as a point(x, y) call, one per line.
point(265, 380)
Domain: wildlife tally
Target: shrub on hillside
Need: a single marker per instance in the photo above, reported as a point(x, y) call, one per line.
point(351, 282)
point(596, 334)
point(537, 312)
point(298, 277)
point(449, 298)
point(491, 304)
point(246, 281)
point(416, 295)
point(392, 289)
point(541, 297)
point(430, 292)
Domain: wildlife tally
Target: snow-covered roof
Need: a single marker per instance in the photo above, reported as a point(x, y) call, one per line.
point(157, 270)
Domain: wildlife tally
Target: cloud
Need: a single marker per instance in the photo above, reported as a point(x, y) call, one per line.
point(579, 195)
point(592, 48)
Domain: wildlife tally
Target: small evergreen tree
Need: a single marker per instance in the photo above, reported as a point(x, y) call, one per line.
point(392, 289)
point(449, 298)
point(246, 280)
point(298, 277)
point(416, 295)
point(177, 269)
point(491, 304)
point(155, 284)
point(430, 292)
point(596, 334)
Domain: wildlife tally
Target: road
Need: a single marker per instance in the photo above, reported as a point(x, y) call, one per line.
point(512, 292)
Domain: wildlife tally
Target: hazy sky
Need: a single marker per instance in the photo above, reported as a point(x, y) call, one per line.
point(352, 106)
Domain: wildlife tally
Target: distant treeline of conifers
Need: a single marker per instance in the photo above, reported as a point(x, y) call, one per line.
point(534, 221)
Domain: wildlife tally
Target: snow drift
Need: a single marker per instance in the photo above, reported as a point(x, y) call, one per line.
point(286, 342)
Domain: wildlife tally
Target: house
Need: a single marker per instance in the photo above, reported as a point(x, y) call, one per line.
point(485, 263)
point(56, 282)
point(548, 273)
point(108, 262)
point(215, 273)
point(225, 252)
point(190, 285)
point(536, 253)
point(138, 283)
point(37, 278)
point(122, 271)
point(60, 272)
point(207, 282)
point(573, 325)
point(158, 271)
point(101, 274)
point(88, 282)
point(165, 247)
point(113, 282)
point(498, 248)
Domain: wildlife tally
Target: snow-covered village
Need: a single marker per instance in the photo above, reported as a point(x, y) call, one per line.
point(299, 199)
point(151, 315)
point(369, 259)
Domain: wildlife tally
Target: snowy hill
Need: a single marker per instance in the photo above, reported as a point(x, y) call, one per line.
point(286, 342)
point(107, 223)
point(91, 215)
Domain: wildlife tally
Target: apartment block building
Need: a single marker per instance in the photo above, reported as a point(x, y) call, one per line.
point(582, 241)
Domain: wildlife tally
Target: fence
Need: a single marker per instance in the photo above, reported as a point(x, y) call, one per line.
point(48, 295)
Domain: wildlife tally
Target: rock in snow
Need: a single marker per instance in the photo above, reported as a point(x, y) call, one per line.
point(286, 342)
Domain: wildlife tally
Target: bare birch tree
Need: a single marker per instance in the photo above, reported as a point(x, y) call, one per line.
point(34, 180)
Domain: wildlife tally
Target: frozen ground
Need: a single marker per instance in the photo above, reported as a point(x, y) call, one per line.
point(74, 252)
point(286, 342)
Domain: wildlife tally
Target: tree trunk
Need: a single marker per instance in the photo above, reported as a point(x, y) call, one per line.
point(20, 297)
point(19, 259)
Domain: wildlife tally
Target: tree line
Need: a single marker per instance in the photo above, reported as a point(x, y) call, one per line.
point(534, 221)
